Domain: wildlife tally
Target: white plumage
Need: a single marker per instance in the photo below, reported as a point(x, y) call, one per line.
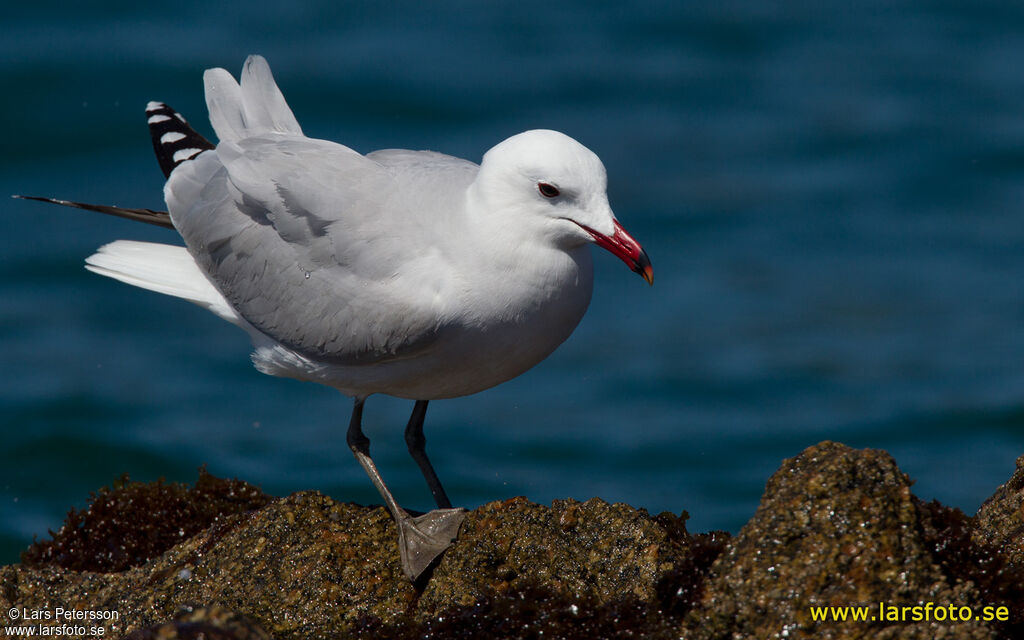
point(162, 268)
point(409, 273)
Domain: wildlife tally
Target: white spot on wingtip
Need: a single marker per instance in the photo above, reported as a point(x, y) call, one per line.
point(185, 154)
point(171, 136)
point(157, 118)
point(155, 106)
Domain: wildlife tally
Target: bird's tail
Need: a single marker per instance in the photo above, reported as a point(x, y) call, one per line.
point(174, 142)
point(162, 268)
point(149, 216)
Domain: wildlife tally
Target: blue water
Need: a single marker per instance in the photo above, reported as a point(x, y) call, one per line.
point(831, 194)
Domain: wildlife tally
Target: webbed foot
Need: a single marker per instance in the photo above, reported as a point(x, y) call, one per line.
point(422, 539)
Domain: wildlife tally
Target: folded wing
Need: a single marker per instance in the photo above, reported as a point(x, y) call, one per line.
point(312, 243)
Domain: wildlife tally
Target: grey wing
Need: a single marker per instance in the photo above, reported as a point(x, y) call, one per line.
point(427, 165)
point(314, 245)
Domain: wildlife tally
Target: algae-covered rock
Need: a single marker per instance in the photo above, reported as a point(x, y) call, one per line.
point(1000, 520)
point(203, 623)
point(836, 527)
point(298, 566)
point(591, 551)
point(132, 522)
point(308, 567)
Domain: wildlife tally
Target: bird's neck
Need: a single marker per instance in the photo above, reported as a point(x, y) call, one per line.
point(512, 269)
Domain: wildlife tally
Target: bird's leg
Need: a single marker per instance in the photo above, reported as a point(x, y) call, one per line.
point(360, 446)
point(417, 449)
point(421, 539)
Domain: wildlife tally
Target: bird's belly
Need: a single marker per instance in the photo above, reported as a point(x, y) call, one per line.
point(480, 360)
point(466, 360)
point(512, 330)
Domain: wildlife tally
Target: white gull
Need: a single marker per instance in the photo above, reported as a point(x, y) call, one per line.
point(408, 273)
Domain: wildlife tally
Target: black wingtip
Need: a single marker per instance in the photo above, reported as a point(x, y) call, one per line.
point(174, 141)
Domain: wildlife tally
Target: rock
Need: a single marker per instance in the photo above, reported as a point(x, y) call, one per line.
point(306, 566)
point(589, 551)
point(127, 525)
point(1000, 520)
point(836, 527)
point(203, 623)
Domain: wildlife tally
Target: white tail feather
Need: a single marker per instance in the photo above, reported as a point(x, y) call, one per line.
point(162, 268)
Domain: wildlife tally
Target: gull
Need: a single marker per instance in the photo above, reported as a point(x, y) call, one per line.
point(407, 273)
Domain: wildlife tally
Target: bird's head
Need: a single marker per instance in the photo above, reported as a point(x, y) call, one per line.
point(556, 184)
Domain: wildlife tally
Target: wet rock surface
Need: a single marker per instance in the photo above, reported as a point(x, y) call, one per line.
point(1000, 520)
point(836, 527)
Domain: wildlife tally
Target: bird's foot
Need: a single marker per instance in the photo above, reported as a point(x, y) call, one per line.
point(423, 538)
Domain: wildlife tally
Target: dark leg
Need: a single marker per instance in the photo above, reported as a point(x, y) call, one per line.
point(360, 446)
point(420, 540)
point(417, 444)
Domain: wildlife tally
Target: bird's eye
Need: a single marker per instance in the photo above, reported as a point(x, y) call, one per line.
point(547, 190)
